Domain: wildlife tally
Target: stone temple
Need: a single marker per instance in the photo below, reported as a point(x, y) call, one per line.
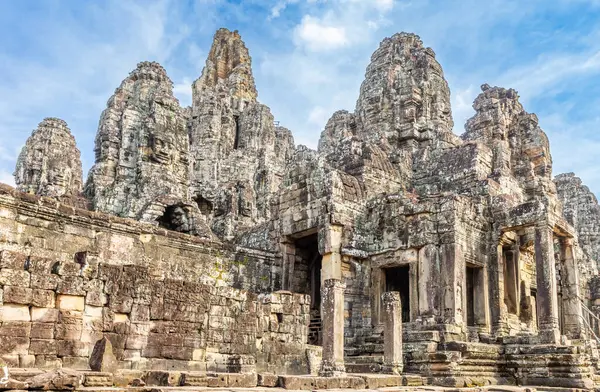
point(207, 250)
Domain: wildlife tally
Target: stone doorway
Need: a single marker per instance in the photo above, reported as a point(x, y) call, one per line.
point(398, 279)
point(470, 297)
point(307, 279)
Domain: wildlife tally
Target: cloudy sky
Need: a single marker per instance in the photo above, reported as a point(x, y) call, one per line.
point(65, 58)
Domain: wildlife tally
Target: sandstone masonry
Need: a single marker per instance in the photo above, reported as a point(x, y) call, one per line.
point(214, 243)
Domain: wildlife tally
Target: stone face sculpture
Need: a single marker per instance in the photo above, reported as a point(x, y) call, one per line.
point(237, 154)
point(142, 148)
point(50, 163)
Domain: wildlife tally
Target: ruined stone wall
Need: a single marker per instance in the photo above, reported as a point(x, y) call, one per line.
point(69, 276)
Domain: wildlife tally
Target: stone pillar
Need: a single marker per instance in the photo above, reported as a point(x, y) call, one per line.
point(392, 333)
point(452, 266)
point(481, 299)
point(497, 306)
point(332, 309)
point(332, 253)
point(547, 297)
point(572, 311)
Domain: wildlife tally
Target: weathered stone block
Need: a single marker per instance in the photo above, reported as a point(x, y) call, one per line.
point(43, 347)
point(15, 345)
point(17, 295)
point(237, 380)
point(11, 277)
point(67, 332)
point(15, 328)
point(47, 362)
point(12, 260)
point(40, 265)
point(268, 380)
point(44, 281)
point(42, 330)
point(217, 380)
point(70, 302)
point(43, 298)
point(71, 285)
point(12, 312)
point(72, 348)
point(44, 315)
point(27, 361)
point(140, 313)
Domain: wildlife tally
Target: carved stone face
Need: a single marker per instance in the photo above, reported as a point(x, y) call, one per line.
point(180, 220)
point(57, 179)
point(223, 203)
point(244, 201)
point(162, 148)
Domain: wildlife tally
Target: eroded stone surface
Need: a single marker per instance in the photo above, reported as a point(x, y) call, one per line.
point(238, 154)
point(142, 154)
point(50, 163)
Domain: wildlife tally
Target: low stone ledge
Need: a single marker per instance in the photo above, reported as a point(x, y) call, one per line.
point(305, 383)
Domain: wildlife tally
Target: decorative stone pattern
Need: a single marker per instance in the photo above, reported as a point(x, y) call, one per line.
point(50, 163)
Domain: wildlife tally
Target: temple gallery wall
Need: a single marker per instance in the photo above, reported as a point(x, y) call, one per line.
point(204, 241)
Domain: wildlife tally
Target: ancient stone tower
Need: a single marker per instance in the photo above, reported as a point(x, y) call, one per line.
point(50, 163)
point(237, 153)
point(141, 148)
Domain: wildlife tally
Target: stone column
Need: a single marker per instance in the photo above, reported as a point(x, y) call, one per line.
point(497, 306)
point(332, 252)
point(572, 311)
point(547, 297)
point(392, 333)
point(332, 309)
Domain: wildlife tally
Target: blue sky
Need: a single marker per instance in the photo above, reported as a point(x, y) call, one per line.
point(65, 58)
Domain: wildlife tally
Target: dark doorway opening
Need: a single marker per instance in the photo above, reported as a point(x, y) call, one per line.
point(236, 140)
point(511, 281)
point(398, 279)
point(307, 279)
point(470, 296)
point(307, 271)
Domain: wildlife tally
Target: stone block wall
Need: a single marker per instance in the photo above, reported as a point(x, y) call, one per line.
point(164, 299)
point(52, 314)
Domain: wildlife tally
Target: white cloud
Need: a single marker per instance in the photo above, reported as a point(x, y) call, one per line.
point(318, 116)
point(462, 107)
point(384, 5)
point(183, 92)
point(317, 36)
